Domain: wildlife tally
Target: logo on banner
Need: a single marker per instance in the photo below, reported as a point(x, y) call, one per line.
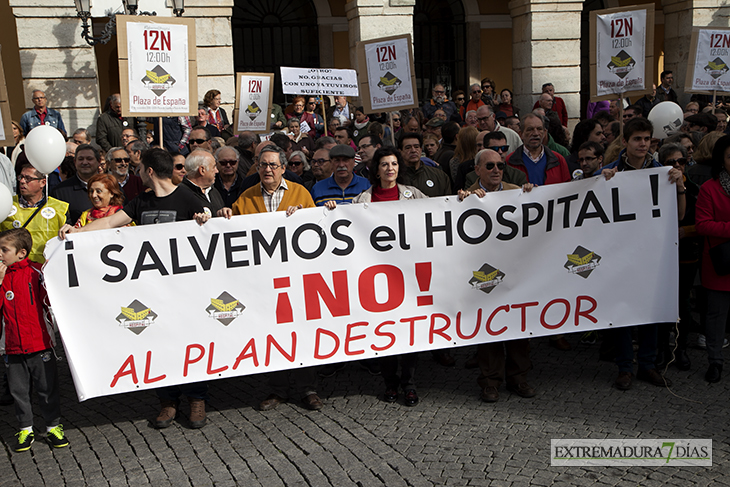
point(225, 308)
point(621, 64)
point(582, 262)
point(136, 317)
point(716, 68)
point(486, 278)
point(158, 80)
point(253, 111)
point(389, 83)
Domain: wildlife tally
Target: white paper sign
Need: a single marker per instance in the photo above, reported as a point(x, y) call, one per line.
point(253, 103)
point(710, 68)
point(177, 303)
point(158, 68)
point(620, 52)
point(305, 81)
point(389, 74)
point(2, 127)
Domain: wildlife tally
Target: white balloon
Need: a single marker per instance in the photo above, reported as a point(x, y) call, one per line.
point(45, 148)
point(6, 202)
point(667, 117)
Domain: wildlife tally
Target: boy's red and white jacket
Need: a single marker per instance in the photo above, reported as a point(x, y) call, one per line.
point(26, 324)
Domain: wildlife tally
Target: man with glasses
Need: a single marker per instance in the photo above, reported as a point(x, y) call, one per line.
point(321, 166)
point(367, 147)
point(475, 101)
point(556, 103)
point(74, 190)
point(40, 114)
point(117, 163)
point(31, 211)
point(439, 101)
point(199, 139)
point(228, 182)
point(486, 121)
point(343, 185)
point(274, 193)
point(489, 93)
point(200, 173)
point(590, 158)
point(467, 176)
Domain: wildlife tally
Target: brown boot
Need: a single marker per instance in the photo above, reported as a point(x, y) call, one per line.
point(197, 412)
point(168, 412)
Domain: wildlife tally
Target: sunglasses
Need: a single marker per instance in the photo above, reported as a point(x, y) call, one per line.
point(179, 167)
point(227, 163)
point(197, 141)
point(490, 165)
point(295, 163)
point(486, 87)
point(120, 160)
point(681, 161)
point(499, 148)
point(319, 162)
point(459, 98)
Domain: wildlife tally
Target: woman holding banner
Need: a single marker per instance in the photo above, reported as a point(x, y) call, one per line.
point(712, 220)
point(387, 186)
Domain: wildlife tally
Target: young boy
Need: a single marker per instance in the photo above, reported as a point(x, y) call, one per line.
point(29, 343)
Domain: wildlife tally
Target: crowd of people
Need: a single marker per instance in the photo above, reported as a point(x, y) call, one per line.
point(471, 145)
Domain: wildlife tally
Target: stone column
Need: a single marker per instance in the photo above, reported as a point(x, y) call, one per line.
point(680, 16)
point(546, 48)
point(371, 19)
point(56, 59)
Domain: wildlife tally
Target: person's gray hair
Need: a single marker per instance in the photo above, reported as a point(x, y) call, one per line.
point(302, 157)
point(475, 85)
point(215, 143)
point(227, 147)
point(544, 120)
point(116, 97)
point(668, 149)
point(84, 132)
point(138, 145)
point(196, 159)
point(112, 151)
point(470, 111)
point(478, 157)
point(274, 148)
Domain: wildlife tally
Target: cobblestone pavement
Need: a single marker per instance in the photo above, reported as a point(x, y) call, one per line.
point(450, 438)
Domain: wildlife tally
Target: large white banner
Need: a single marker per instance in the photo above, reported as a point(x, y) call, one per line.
point(157, 305)
point(306, 81)
point(159, 80)
point(709, 69)
point(389, 74)
point(620, 52)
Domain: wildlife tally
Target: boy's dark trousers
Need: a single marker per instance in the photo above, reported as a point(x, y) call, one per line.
point(40, 368)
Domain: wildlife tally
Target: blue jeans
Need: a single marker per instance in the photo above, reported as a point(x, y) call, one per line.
point(625, 349)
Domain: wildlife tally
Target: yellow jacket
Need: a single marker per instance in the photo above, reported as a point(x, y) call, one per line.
point(251, 201)
point(43, 227)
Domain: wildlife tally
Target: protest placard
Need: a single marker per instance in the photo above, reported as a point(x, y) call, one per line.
point(306, 81)
point(387, 77)
point(158, 73)
point(6, 127)
point(708, 57)
point(254, 99)
point(177, 303)
point(621, 52)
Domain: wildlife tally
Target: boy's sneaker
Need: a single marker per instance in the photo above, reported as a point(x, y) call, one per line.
point(25, 439)
point(56, 437)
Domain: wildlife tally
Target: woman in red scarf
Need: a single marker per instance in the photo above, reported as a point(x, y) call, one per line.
point(106, 197)
point(216, 115)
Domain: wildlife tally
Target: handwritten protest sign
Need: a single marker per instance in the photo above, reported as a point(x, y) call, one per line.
point(177, 303)
point(157, 66)
point(305, 81)
point(621, 52)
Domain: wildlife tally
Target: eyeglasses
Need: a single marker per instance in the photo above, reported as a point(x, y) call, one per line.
point(484, 119)
point(365, 146)
point(319, 162)
point(179, 167)
point(670, 162)
point(295, 163)
point(270, 165)
point(197, 141)
point(440, 92)
point(228, 163)
point(499, 148)
point(121, 160)
point(490, 165)
point(586, 159)
point(28, 179)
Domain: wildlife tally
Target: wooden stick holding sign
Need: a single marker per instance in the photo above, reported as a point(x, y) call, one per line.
point(324, 115)
point(162, 144)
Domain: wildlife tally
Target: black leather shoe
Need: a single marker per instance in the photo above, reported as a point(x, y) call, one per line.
point(271, 402)
point(653, 377)
point(391, 395)
point(313, 402)
point(623, 381)
point(714, 373)
point(411, 398)
point(522, 389)
point(681, 359)
point(490, 394)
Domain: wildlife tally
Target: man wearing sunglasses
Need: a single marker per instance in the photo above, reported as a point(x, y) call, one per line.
point(439, 101)
point(228, 182)
point(199, 139)
point(508, 360)
point(117, 163)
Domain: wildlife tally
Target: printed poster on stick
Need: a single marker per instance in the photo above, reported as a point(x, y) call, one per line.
point(389, 82)
point(621, 56)
point(6, 127)
point(178, 302)
point(709, 58)
point(254, 101)
point(157, 66)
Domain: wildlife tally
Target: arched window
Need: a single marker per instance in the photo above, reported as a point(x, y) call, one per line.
point(268, 34)
point(439, 42)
